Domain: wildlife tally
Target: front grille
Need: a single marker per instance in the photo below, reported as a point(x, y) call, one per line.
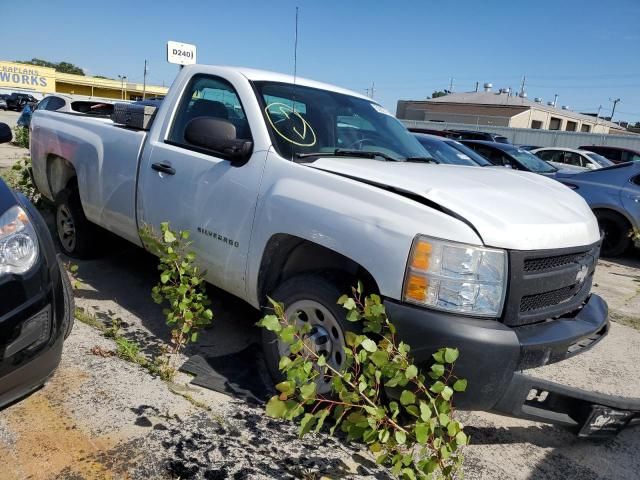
point(550, 263)
point(542, 300)
point(546, 284)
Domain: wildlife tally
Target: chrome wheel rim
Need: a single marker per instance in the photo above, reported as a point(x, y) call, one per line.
point(325, 337)
point(66, 228)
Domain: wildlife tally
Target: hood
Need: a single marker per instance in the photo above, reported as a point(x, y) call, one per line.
point(508, 208)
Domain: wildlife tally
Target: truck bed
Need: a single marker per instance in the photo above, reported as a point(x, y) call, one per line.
point(105, 159)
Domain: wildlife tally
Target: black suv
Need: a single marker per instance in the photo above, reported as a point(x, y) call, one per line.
point(36, 299)
point(17, 101)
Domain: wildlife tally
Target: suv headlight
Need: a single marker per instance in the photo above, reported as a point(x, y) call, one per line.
point(456, 277)
point(18, 242)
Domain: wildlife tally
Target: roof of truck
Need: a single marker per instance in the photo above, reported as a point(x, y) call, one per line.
point(266, 75)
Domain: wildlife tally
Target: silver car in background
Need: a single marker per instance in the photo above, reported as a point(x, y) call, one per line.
point(561, 157)
point(613, 193)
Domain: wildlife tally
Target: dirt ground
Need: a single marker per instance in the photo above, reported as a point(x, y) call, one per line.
point(103, 417)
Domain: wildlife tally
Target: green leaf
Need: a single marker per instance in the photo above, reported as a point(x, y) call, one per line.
point(422, 432)
point(308, 390)
point(306, 424)
point(439, 356)
point(401, 437)
point(461, 438)
point(321, 415)
point(286, 334)
point(413, 410)
point(408, 474)
point(460, 385)
point(425, 411)
point(451, 355)
point(379, 358)
point(446, 393)
point(349, 304)
point(411, 372)
point(343, 299)
point(194, 337)
point(407, 397)
point(271, 323)
point(444, 419)
point(437, 387)
point(284, 363)
point(437, 369)
point(322, 361)
point(164, 278)
point(169, 237)
point(276, 408)
point(287, 387)
point(453, 429)
point(369, 345)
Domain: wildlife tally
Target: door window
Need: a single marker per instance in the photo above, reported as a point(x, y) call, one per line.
point(572, 158)
point(213, 97)
point(54, 103)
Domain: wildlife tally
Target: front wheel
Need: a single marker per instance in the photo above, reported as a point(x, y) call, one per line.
point(311, 299)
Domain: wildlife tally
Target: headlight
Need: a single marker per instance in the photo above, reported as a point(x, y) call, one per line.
point(456, 277)
point(18, 242)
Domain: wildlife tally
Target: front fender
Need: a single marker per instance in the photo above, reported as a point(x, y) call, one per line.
point(369, 225)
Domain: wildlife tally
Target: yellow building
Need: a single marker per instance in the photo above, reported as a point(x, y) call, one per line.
point(42, 80)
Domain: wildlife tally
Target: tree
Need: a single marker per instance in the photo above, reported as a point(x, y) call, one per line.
point(62, 67)
point(438, 93)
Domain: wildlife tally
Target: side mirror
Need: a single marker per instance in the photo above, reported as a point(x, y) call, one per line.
point(219, 136)
point(591, 166)
point(5, 133)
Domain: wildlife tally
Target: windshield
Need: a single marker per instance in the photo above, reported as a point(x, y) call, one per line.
point(304, 120)
point(473, 155)
point(531, 162)
point(599, 159)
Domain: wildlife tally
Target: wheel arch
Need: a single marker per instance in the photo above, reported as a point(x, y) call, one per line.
point(286, 256)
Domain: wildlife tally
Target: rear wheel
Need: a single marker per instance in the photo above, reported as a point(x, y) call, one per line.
point(76, 235)
point(616, 231)
point(311, 299)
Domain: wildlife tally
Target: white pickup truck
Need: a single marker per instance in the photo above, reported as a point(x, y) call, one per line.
point(297, 189)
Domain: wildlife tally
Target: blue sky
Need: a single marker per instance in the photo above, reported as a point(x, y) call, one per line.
point(585, 51)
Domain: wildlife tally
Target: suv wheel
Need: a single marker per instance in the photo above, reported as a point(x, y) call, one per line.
point(616, 231)
point(312, 299)
point(76, 234)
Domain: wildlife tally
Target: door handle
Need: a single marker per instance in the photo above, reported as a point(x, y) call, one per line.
point(164, 168)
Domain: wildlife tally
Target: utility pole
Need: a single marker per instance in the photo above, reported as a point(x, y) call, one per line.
point(555, 100)
point(144, 80)
point(451, 85)
point(477, 85)
point(373, 88)
point(615, 102)
point(524, 79)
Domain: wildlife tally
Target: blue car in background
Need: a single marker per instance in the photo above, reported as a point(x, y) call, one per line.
point(613, 193)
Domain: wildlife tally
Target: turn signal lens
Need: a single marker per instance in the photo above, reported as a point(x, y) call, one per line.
point(421, 255)
point(416, 289)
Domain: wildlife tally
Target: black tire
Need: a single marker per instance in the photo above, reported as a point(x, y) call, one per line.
point(69, 302)
point(318, 290)
point(76, 235)
point(616, 231)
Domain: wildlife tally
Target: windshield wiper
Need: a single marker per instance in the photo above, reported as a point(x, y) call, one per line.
point(421, 159)
point(339, 152)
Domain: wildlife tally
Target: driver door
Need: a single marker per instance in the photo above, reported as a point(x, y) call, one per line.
point(201, 191)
